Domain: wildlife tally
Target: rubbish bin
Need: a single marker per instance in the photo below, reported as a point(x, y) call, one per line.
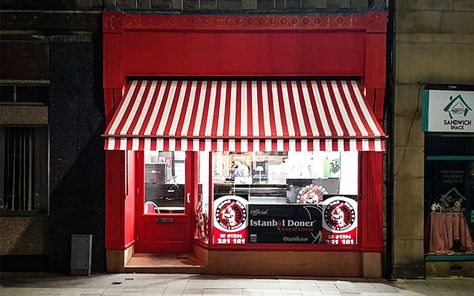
point(81, 251)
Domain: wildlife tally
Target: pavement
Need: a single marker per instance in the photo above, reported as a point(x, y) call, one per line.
point(131, 284)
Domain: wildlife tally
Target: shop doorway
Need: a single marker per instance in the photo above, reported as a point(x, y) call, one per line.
point(165, 202)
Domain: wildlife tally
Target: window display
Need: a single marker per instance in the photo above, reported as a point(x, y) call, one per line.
point(285, 197)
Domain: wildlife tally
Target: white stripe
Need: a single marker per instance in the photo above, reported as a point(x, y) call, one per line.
point(154, 114)
point(123, 143)
point(329, 144)
point(286, 102)
point(299, 113)
point(304, 145)
point(280, 145)
point(196, 145)
point(256, 145)
point(268, 145)
point(244, 145)
point(311, 113)
point(123, 108)
point(276, 106)
point(365, 110)
point(179, 106)
point(266, 110)
point(146, 106)
point(365, 145)
point(233, 102)
point(110, 143)
point(316, 145)
point(221, 114)
point(377, 145)
point(342, 109)
point(353, 145)
point(340, 145)
point(256, 128)
point(166, 112)
point(232, 145)
point(220, 145)
point(208, 145)
point(184, 145)
point(210, 115)
point(331, 109)
point(135, 144)
point(319, 106)
point(172, 145)
point(292, 145)
point(243, 110)
point(130, 116)
point(147, 144)
point(189, 111)
point(202, 98)
point(159, 144)
point(353, 110)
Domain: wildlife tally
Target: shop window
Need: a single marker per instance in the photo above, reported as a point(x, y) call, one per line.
point(164, 182)
point(449, 190)
point(285, 197)
point(23, 170)
point(24, 94)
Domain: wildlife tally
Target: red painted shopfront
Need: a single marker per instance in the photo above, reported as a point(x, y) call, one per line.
point(188, 97)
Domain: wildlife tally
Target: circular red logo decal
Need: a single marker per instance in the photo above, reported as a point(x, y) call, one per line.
point(339, 215)
point(231, 214)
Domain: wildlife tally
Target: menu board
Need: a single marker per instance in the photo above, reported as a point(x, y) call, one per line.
point(285, 224)
point(332, 221)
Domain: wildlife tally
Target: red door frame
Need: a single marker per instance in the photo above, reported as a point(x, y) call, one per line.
point(245, 46)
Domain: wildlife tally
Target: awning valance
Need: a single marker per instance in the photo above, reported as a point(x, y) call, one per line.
point(182, 115)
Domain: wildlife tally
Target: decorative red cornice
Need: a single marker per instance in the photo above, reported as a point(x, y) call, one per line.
point(112, 22)
point(372, 22)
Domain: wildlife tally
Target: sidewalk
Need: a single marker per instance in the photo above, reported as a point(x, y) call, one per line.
point(19, 284)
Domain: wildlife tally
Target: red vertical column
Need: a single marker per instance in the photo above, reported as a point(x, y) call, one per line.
point(114, 160)
point(371, 203)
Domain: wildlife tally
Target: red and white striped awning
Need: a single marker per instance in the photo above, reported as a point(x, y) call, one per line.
point(242, 116)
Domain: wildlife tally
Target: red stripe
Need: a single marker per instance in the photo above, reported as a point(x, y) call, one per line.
point(129, 144)
point(153, 145)
point(314, 108)
point(192, 121)
point(345, 101)
point(371, 145)
point(284, 124)
point(304, 110)
point(161, 109)
point(183, 115)
point(202, 145)
point(173, 111)
point(359, 111)
point(154, 101)
point(293, 109)
point(271, 108)
point(218, 99)
point(126, 114)
point(225, 131)
point(139, 110)
point(336, 107)
point(250, 131)
point(177, 145)
point(298, 145)
point(141, 144)
point(238, 108)
point(238, 146)
point(205, 114)
point(261, 124)
point(347, 145)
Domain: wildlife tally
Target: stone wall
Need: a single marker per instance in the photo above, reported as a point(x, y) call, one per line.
point(434, 45)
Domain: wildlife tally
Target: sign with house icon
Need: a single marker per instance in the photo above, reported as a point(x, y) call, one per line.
point(448, 111)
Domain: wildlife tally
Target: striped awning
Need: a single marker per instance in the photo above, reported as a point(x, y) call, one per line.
point(242, 116)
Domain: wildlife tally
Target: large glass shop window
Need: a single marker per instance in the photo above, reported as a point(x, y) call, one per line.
point(164, 182)
point(285, 197)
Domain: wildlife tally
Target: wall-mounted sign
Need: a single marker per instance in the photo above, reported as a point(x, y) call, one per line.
point(293, 223)
point(448, 111)
point(230, 220)
point(340, 220)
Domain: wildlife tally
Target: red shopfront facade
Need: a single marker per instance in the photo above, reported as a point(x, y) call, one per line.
point(192, 101)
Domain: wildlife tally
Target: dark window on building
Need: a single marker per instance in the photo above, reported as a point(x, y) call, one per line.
point(24, 170)
point(24, 94)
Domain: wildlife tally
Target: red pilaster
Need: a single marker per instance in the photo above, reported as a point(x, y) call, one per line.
point(371, 203)
point(115, 195)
